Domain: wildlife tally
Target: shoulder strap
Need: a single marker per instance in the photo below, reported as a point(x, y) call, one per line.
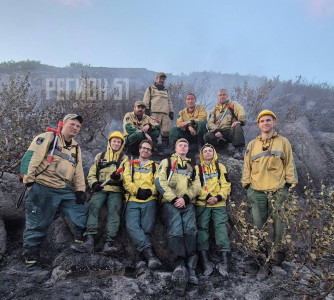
point(154, 168)
point(99, 164)
point(169, 166)
point(200, 174)
point(149, 104)
point(218, 169)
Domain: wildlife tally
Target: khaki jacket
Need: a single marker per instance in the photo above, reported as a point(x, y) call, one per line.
point(216, 186)
point(143, 178)
point(160, 100)
point(110, 157)
point(65, 167)
point(269, 170)
point(216, 124)
point(199, 114)
point(131, 124)
point(182, 181)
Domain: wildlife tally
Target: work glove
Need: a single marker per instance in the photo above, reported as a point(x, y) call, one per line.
point(115, 176)
point(97, 186)
point(171, 115)
point(80, 197)
point(144, 194)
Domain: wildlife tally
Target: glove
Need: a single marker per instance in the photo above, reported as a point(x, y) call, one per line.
point(171, 115)
point(80, 197)
point(144, 194)
point(147, 111)
point(115, 176)
point(97, 186)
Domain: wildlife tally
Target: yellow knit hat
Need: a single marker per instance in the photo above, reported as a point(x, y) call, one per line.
point(266, 112)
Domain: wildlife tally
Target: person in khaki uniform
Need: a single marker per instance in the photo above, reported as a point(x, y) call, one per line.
point(138, 126)
point(142, 202)
point(211, 205)
point(191, 123)
point(178, 213)
point(225, 124)
point(48, 186)
point(104, 168)
point(268, 169)
point(159, 105)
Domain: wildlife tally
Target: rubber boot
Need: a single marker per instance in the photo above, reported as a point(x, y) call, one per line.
point(224, 265)
point(192, 263)
point(180, 277)
point(165, 149)
point(206, 264)
point(32, 263)
point(109, 248)
point(86, 247)
point(238, 152)
point(152, 261)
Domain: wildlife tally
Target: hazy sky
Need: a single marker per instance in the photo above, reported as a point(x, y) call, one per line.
point(260, 37)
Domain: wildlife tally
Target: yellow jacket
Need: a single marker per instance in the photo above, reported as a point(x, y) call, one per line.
point(182, 182)
point(65, 167)
point(143, 178)
point(199, 114)
point(216, 186)
point(215, 123)
point(105, 172)
point(268, 164)
point(160, 100)
point(131, 124)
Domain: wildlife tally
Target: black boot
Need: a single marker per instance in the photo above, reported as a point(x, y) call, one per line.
point(206, 264)
point(32, 257)
point(238, 152)
point(152, 261)
point(192, 263)
point(180, 277)
point(86, 247)
point(224, 265)
point(280, 256)
point(165, 146)
point(109, 248)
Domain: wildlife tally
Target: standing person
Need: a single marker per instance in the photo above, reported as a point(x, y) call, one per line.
point(105, 167)
point(138, 127)
point(142, 203)
point(211, 205)
point(191, 123)
point(48, 186)
point(225, 124)
point(179, 188)
point(159, 105)
point(268, 169)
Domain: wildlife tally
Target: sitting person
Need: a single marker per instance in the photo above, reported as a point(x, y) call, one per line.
point(105, 168)
point(142, 202)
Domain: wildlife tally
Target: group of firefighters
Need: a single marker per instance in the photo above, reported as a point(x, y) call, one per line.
point(189, 195)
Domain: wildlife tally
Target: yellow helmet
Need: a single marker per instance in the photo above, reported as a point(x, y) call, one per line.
point(116, 134)
point(266, 112)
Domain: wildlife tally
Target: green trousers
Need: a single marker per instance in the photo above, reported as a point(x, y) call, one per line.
point(177, 133)
point(220, 219)
point(234, 135)
point(42, 204)
point(133, 140)
point(261, 209)
point(140, 220)
point(115, 204)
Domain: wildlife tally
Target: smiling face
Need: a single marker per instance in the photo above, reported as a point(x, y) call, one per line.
point(190, 101)
point(115, 143)
point(71, 129)
point(145, 151)
point(266, 124)
point(139, 110)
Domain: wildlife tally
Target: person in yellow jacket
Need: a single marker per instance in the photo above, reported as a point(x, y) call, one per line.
point(48, 186)
point(105, 167)
point(191, 123)
point(159, 105)
point(179, 188)
point(211, 205)
point(225, 124)
point(142, 201)
point(138, 127)
point(268, 168)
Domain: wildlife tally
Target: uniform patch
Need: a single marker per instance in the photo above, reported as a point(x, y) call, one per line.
point(40, 141)
point(59, 148)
